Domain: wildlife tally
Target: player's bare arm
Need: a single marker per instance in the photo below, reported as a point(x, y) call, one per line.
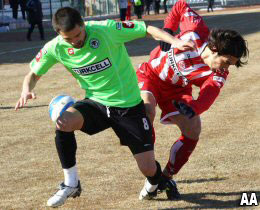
point(159, 34)
point(29, 83)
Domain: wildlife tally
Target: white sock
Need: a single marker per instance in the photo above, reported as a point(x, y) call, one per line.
point(71, 176)
point(149, 187)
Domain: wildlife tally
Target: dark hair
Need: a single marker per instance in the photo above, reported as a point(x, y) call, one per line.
point(228, 42)
point(65, 19)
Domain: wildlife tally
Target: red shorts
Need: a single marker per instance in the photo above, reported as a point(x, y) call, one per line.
point(163, 92)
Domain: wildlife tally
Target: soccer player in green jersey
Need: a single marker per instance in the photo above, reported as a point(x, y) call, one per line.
point(94, 53)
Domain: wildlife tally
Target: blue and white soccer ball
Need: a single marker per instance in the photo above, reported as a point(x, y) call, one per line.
point(58, 105)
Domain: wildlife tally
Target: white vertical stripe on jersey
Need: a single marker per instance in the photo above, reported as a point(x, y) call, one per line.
point(190, 69)
point(201, 49)
point(203, 74)
point(183, 55)
point(156, 62)
point(190, 36)
point(164, 73)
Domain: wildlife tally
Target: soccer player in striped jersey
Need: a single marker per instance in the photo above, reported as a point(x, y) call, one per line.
point(166, 80)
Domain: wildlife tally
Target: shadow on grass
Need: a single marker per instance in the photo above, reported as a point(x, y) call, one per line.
point(26, 107)
point(202, 202)
point(202, 180)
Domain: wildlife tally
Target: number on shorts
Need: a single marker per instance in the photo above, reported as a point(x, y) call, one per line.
point(146, 125)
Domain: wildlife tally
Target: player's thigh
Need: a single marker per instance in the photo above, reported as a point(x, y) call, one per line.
point(94, 115)
point(150, 104)
point(70, 120)
point(191, 128)
point(149, 90)
point(133, 128)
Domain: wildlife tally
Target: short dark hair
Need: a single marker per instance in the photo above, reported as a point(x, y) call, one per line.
point(229, 42)
point(65, 19)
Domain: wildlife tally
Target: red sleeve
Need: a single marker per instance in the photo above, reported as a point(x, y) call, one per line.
point(172, 21)
point(188, 20)
point(209, 91)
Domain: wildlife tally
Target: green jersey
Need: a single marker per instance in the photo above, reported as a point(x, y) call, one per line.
point(102, 66)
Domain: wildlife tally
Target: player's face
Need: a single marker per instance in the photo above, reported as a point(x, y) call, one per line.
point(76, 37)
point(221, 62)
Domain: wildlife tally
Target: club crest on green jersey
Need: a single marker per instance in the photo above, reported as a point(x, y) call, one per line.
point(128, 24)
point(94, 43)
point(118, 25)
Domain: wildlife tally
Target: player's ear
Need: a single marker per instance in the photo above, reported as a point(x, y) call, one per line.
point(213, 49)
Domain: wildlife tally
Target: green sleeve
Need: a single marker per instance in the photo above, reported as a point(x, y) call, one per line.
point(44, 60)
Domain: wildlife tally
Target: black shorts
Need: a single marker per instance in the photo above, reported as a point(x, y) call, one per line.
point(131, 125)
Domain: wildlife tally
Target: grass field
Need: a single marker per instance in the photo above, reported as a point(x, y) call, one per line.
point(225, 163)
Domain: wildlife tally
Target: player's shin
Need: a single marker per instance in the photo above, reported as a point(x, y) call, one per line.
point(151, 184)
point(154, 180)
point(179, 155)
point(66, 146)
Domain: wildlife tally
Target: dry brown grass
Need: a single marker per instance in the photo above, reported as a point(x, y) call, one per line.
point(224, 164)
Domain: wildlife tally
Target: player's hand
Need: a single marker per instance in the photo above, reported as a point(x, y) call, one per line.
point(184, 109)
point(23, 99)
point(186, 45)
point(164, 45)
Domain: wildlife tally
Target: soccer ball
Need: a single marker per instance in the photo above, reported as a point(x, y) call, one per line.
point(58, 105)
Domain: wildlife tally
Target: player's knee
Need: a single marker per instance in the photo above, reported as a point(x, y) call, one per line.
point(69, 122)
point(62, 125)
point(192, 128)
point(196, 128)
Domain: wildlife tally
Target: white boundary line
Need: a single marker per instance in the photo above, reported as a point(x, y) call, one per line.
point(20, 50)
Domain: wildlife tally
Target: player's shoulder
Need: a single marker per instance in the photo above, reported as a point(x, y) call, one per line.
point(189, 35)
point(181, 3)
point(100, 27)
point(99, 23)
point(53, 42)
point(53, 46)
point(196, 33)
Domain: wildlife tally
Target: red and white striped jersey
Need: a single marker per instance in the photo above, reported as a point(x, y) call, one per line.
point(176, 66)
point(181, 69)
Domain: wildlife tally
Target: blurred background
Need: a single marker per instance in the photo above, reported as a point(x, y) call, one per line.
point(101, 9)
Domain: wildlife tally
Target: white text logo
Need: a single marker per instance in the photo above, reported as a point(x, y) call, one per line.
point(94, 68)
point(248, 199)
